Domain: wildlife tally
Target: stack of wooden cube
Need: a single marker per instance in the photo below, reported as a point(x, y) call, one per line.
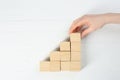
point(67, 59)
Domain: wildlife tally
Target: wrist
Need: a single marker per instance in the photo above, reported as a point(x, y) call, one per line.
point(107, 18)
point(113, 18)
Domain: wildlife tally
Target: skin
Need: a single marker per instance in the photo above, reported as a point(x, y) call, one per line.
point(93, 22)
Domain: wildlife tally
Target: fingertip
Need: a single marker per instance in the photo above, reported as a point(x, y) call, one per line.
point(82, 36)
point(72, 30)
point(86, 32)
point(69, 32)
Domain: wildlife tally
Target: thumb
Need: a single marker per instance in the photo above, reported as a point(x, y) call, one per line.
point(86, 32)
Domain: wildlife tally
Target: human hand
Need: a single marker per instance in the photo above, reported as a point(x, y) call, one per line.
point(93, 22)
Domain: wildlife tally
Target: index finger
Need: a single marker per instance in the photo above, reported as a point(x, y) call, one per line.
point(79, 24)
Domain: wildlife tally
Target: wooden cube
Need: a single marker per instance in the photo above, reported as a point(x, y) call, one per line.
point(75, 56)
point(75, 66)
point(55, 56)
point(65, 66)
point(55, 66)
point(44, 66)
point(75, 37)
point(65, 46)
point(65, 56)
point(75, 46)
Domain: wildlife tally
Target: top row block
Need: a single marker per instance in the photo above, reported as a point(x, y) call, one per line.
point(75, 37)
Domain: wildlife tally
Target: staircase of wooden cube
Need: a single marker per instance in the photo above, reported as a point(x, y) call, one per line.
point(67, 59)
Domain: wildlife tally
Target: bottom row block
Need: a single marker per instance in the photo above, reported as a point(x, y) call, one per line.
point(70, 66)
point(45, 66)
point(75, 66)
point(65, 66)
point(57, 66)
point(49, 66)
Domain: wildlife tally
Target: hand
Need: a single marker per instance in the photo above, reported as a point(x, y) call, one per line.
point(93, 22)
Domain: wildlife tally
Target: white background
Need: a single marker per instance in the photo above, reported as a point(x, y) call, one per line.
point(30, 29)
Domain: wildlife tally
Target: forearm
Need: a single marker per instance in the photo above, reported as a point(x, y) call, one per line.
point(112, 18)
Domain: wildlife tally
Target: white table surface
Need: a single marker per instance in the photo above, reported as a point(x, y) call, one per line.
point(30, 29)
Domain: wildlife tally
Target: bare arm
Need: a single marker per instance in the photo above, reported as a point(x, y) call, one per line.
point(113, 18)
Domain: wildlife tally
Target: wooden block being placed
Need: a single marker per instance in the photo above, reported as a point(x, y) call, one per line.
point(44, 66)
point(65, 66)
point(55, 66)
point(65, 56)
point(75, 56)
point(75, 46)
point(65, 46)
point(55, 56)
point(75, 37)
point(75, 66)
